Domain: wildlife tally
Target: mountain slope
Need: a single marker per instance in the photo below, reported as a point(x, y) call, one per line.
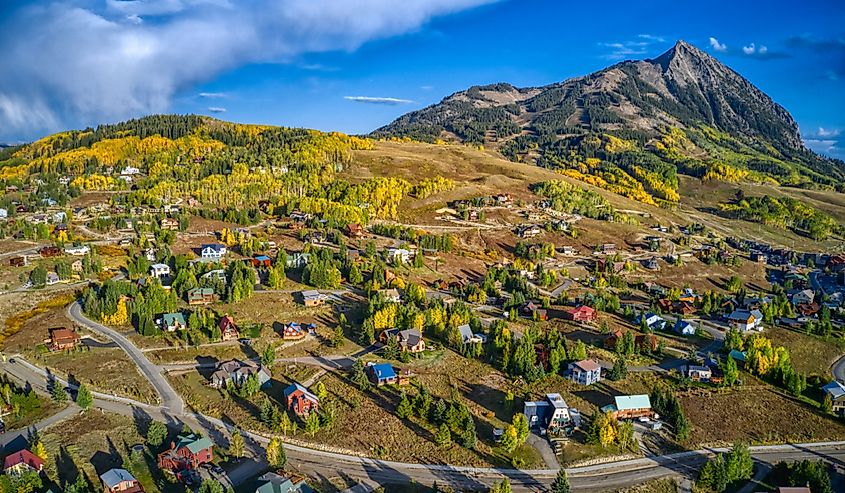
point(643, 121)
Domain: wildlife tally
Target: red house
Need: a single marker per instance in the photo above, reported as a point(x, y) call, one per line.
point(355, 230)
point(299, 400)
point(582, 313)
point(22, 462)
point(187, 453)
point(228, 329)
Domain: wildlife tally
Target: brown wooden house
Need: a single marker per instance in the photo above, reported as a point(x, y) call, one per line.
point(62, 338)
point(188, 452)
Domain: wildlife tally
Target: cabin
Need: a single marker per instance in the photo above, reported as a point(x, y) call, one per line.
point(51, 251)
point(186, 453)
point(468, 337)
point(62, 339)
point(18, 261)
point(381, 374)
point(201, 296)
point(237, 372)
point(77, 265)
point(529, 231)
point(120, 481)
point(259, 261)
point(409, 340)
point(400, 255)
point(312, 298)
point(293, 331)
point(585, 372)
point(608, 249)
point(22, 462)
point(583, 313)
point(228, 330)
point(354, 230)
point(550, 415)
point(630, 407)
point(698, 373)
point(299, 400)
point(171, 322)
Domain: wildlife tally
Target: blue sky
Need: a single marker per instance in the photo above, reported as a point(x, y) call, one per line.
point(354, 65)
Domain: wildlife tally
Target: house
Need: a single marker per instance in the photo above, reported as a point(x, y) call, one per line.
point(130, 170)
point(297, 260)
point(159, 270)
point(120, 481)
point(391, 294)
point(77, 265)
point(652, 321)
point(409, 340)
point(642, 341)
point(698, 373)
point(745, 320)
point(582, 313)
point(550, 414)
point(794, 489)
point(312, 298)
point(630, 407)
point(237, 372)
point(52, 278)
point(585, 372)
point(836, 391)
point(261, 261)
point(62, 338)
point(299, 400)
point(186, 453)
point(651, 264)
point(467, 337)
point(4, 213)
point(807, 309)
point(355, 230)
point(684, 328)
point(529, 231)
point(78, 251)
point(381, 374)
point(533, 310)
point(804, 296)
point(401, 255)
point(567, 251)
point(169, 223)
point(228, 330)
point(213, 251)
point(275, 483)
point(293, 331)
point(737, 355)
point(219, 274)
point(172, 322)
point(201, 296)
point(608, 249)
point(759, 257)
point(22, 462)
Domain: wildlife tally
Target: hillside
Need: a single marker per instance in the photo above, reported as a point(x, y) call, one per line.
point(633, 127)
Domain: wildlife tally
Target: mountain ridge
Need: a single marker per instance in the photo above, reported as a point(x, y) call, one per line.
point(682, 109)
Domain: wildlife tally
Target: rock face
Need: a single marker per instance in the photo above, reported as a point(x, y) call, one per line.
point(681, 87)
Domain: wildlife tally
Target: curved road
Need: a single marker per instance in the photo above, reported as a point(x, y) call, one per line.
point(170, 400)
point(599, 477)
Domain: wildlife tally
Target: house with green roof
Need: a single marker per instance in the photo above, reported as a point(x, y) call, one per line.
point(186, 453)
point(171, 322)
point(630, 407)
point(272, 482)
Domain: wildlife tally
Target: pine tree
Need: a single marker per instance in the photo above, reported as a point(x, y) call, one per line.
point(58, 393)
point(358, 375)
point(236, 444)
point(39, 449)
point(156, 434)
point(276, 453)
point(404, 409)
point(84, 399)
point(561, 482)
point(443, 437)
point(312, 424)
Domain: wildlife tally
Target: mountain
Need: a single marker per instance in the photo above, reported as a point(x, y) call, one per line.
point(644, 121)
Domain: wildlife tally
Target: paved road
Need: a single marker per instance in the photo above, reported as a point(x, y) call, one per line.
point(12, 435)
point(170, 400)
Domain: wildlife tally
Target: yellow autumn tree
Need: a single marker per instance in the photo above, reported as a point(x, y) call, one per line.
point(120, 315)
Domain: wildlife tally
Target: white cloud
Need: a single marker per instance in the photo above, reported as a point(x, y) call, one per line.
point(716, 45)
point(216, 109)
point(377, 100)
point(81, 63)
point(823, 132)
point(750, 49)
point(212, 95)
point(626, 49)
point(652, 37)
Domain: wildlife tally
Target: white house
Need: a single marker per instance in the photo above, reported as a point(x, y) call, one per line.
point(159, 270)
point(214, 251)
point(216, 273)
point(401, 255)
point(3, 213)
point(745, 320)
point(586, 372)
point(298, 260)
point(391, 295)
point(653, 321)
point(130, 170)
point(684, 328)
point(805, 296)
point(78, 250)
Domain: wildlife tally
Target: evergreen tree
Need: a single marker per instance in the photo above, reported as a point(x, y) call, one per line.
point(156, 434)
point(404, 409)
point(443, 437)
point(236, 444)
point(561, 482)
point(84, 399)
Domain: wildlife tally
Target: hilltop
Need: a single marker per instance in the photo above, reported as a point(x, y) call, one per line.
point(632, 128)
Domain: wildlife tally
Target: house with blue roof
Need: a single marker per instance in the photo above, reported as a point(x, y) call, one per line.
point(836, 391)
point(381, 374)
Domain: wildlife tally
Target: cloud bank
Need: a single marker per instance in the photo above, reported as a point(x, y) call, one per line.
point(377, 100)
point(81, 62)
